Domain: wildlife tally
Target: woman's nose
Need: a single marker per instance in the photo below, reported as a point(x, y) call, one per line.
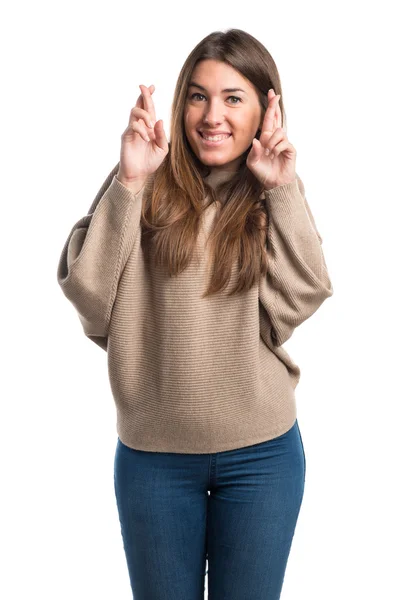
point(214, 113)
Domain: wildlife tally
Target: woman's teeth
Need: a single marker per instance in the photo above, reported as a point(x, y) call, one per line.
point(215, 138)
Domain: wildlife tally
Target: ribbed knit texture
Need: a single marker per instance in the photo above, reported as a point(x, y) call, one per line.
point(191, 374)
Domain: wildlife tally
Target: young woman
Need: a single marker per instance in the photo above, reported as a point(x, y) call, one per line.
point(195, 263)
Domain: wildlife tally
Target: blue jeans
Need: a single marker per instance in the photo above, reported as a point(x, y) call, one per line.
point(243, 528)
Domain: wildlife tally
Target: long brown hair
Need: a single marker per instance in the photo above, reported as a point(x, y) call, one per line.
point(171, 213)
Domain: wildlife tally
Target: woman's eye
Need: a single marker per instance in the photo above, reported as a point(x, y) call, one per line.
point(235, 97)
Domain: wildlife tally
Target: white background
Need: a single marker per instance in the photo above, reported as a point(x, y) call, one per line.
point(70, 76)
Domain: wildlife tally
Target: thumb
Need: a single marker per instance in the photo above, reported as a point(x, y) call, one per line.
point(161, 138)
point(256, 150)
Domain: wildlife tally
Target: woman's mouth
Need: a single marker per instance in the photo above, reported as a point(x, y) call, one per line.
point(215, 140)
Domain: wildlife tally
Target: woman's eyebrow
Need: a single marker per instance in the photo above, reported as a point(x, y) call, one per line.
point(193, 84)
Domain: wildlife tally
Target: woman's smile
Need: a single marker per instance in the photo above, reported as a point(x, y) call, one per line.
point(213, 141)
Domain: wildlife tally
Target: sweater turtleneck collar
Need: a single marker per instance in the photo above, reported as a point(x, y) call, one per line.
point(218, 176)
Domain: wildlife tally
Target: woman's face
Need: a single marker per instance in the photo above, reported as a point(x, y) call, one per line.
point(210, 109)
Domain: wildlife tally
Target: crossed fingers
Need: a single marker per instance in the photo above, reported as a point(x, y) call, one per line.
point(272, 131)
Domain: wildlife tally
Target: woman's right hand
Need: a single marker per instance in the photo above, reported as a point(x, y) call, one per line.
point(139, 158)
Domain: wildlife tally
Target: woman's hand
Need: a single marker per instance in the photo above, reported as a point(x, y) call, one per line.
point(272, 158)
point(143, 144)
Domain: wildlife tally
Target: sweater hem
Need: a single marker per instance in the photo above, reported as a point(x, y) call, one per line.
point(221, 447)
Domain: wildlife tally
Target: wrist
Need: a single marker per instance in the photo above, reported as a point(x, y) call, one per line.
point(134, 185)
point(269, 187)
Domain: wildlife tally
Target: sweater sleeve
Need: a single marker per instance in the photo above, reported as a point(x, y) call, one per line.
point(297, 281)
point(95, 253)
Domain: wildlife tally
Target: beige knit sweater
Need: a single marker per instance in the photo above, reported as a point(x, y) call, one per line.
point(187, 374)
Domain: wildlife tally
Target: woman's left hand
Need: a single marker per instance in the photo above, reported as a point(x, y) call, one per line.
point(272, 158)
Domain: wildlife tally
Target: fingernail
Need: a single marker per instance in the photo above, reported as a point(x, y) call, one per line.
point(151, 124)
